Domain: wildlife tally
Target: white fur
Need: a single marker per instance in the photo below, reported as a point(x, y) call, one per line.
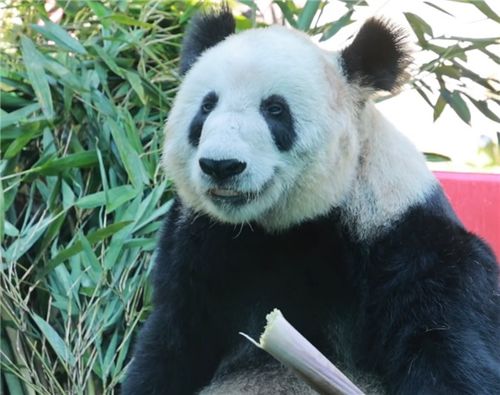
point(391, 177)
point(342, 157)
point(269, 380)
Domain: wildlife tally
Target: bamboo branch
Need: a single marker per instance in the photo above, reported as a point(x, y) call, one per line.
point(287, 345)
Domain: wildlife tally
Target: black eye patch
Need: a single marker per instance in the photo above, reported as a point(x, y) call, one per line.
point(276, 112)
point(207, 105)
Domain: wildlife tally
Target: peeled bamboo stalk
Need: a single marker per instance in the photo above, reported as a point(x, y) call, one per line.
point(287, 345)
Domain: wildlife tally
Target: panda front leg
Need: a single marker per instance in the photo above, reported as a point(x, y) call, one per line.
point(442, 361)
point(168, 357)
point(438, 332)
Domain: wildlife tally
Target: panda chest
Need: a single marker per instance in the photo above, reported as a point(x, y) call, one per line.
point(305, 274)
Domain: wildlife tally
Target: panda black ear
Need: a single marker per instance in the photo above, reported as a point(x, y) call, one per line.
point(205, 30)
point(378, 57)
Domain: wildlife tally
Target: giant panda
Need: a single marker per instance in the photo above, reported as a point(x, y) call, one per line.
point(294, 192)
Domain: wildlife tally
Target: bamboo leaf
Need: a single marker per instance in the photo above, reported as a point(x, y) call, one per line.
point(287, 8)
point(77, 160)
point(99, 9)
point(433, 157)
point(482, 6)
point(482, 105)
point(10, 230)
point(109, 61)
point(130, 158)
point(4, 228)
point(307, 15)
point(10, 100)
point(60, 36)
point(27, 238)
point(449, 71)
point(419, 26)
point(93, 237)
point(135, 82)
point(439, 107)
point(19, 143)
point(343, 21)
point(126, 20)
point(424, 96)
point(57, 343)
point(437, 8)
point(115, 198)
point(458, 104)
point(37, 76)
point(18, 115)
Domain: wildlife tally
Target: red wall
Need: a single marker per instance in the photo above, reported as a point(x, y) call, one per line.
point(476, 200)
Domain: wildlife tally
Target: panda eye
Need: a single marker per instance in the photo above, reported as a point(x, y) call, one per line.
point(209, 103)
point(208, 106)
point(274, 109)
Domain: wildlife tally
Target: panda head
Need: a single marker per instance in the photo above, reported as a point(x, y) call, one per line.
point(264, 126)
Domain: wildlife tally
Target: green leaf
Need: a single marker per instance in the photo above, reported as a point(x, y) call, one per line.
point(419, 26)
point(63, 74)
point(110, 354)
point(57, 343)
point(483, 7)
point(18, 144)
point(433, 157)
point(307, 15)
point(37, 76)
point(10, 100)
point(12, 383)
point(474, 77)
point(77, 160)
point(93, 237)
point(287, 8)
point(343, 21)
point(130, 158)
point(99, 9)
point(10, 230)
point(67, 194)
point(60, 36)
point(482, 105)
point(449, 71)
point(486, 10)
point(437, 8)
point(18, 115)
point(439, 107)
point(109, 61)
point(52, 232)
point(115, 198)
point(16, 84)
point(135, 82)
point(458, 104)
point(491, 55)
point(126, 20)
point(29, 236)
point(4, 229)
point(424, 96)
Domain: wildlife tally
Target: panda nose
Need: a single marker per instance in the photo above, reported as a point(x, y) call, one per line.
point(221, 169)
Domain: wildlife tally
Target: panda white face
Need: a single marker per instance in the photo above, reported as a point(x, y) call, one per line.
point(243, 141)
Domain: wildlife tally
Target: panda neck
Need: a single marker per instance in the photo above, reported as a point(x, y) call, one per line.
point(392, 176)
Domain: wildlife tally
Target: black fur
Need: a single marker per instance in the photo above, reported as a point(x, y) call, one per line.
point(205, 31)
point(378, 57)
point(207, 105)
point(280, 124)
point(418, 307)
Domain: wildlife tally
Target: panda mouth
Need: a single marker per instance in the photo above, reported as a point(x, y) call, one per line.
point(222, 195)
point(233, 197)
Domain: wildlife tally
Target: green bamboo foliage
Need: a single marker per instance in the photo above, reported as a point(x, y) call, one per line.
point(83, 103)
